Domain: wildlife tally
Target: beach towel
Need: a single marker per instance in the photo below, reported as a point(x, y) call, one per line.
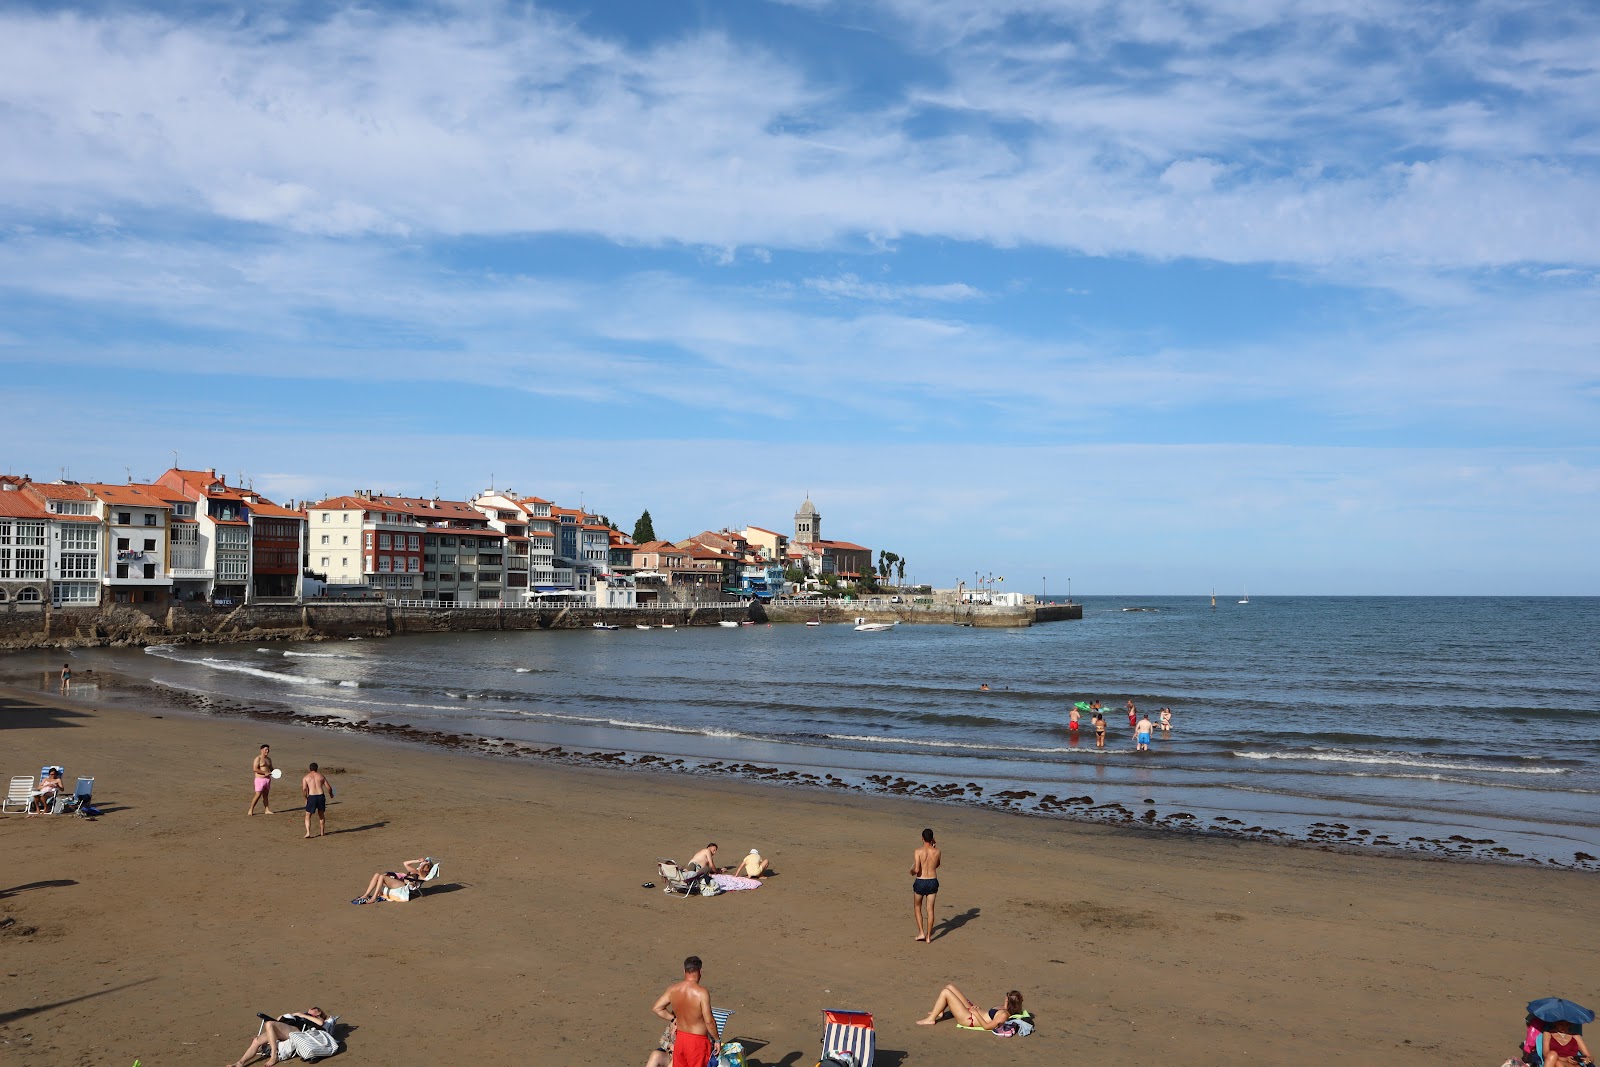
point(308, 1045)
point(731, 883)
point(1019, 1025)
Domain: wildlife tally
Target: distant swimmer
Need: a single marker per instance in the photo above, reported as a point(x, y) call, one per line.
point(1142, 735)
point(1166, 720)
point(1099, 729)
point(984, 688)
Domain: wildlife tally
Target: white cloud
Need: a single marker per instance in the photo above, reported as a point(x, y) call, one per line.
point(851, 287)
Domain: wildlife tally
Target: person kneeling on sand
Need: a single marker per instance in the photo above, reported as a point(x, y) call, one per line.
point(704, 861)
point(966, 1013)
point(306, 1034)
point(754, 865)
point(398, 885)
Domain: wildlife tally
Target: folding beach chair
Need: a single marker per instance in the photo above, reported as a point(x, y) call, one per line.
point(720, 1017)
point(82, 794)
point(849, 1031)
point(19, 798)
point(432, 875)
point(678, 880)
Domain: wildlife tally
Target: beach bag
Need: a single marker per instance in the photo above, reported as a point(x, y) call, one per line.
point(732, 1055)
point(1019, 1025)
point(838, 1058)
point(708, 887)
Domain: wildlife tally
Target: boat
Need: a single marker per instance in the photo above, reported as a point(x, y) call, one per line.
point(640, 626)
point(669, 626)
point(606, 626)
point(727, 622)
point(873, 627)
point(813, 622)
point(748, 622)
point(1246, 599)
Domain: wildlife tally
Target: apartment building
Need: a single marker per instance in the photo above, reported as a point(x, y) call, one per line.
point(772, 545)
point(76, 536)
point(231, 544)
point(136, 519)
point(409, 548)
point(24, 552)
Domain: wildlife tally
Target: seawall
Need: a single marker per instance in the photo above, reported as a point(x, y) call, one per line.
point(951, 614)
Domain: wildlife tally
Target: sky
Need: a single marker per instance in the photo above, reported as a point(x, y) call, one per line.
point(1294, 297)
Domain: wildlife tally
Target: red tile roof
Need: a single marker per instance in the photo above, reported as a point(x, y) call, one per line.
point(14, 505)
point(60, 490)
point(135, 495)
point(764, 530)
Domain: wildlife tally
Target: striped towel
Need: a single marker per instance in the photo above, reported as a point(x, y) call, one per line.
point(849, 1031)
point(308, 1045)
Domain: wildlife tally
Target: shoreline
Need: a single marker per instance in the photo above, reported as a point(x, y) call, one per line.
point(1335, 838)
point(1223, 951)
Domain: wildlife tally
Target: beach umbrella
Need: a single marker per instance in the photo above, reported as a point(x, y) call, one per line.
point(1556, 1010)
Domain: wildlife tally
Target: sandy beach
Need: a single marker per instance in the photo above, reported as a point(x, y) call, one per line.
point(159, 929)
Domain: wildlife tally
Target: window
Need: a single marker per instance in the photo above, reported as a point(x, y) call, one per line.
point(413, 542)
point(185, 511)
point(345, 539)
point(368, 539)
point(72, 507)
point(149, 570)
point(149, 518)
point(346, 516)
point(122, 544)
point(324, 538)
point(407, 582)
point(149, 544)
point(447, 578)
point(125, 518)
point(122, 570)
point(325, 516)
point(28, 595)
point(383, 540)
point(383, 563)
point(80, 565)
point(324, 561)
point(80, 537)
point(414, 564)
point(344, 561)
point(74, 592)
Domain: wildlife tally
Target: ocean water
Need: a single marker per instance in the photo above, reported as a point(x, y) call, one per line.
point(1404, 717)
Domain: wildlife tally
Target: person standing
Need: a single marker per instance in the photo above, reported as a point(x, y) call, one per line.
point(1166, 720)
point(1142, 735)
point(1072, 719)
point(1099, 729)
point(687, 1006)
point(1133, 714)
point(66, 676)
point(315, 788)
point(925, 884)
point(261, 767)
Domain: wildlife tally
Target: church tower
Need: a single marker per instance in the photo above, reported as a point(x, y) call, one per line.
point(807, 523)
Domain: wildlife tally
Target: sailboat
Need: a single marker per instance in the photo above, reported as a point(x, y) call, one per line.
point(1246, 599)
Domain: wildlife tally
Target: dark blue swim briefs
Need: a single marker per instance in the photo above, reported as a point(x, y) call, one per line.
point(317, 803)
point(925, 887)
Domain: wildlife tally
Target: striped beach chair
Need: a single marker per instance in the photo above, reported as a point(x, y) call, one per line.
point(849, 1031)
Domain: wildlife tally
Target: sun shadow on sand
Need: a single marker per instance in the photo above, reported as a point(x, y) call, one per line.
point(358, 829)
point(448, 887)
point(956, 922)
point(54, 883)
point(882, 1058)
point(24, 715)
point(8, 1017)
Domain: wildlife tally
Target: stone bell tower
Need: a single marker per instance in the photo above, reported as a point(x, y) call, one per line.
point(807, 523)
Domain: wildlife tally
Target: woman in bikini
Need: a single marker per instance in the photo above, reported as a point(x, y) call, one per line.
point(410, 874)
point(1562, 1047)
point(967, 1013)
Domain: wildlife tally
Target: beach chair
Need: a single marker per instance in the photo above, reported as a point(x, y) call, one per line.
point(849, 1031)
point(82, 794)
point(720, 1017)
point(677, 879)
point(433, 875)
point(19, 798)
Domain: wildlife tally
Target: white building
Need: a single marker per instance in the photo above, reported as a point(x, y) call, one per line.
point(136, 519)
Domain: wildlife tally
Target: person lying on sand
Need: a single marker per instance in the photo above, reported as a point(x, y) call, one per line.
point(271, 1040)
point(410, 875)
point(967, 1013)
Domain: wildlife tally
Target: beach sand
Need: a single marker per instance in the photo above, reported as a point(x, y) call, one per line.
point(158, 930)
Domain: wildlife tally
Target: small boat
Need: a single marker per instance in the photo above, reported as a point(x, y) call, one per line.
point(747, 622)
point(640, 626)
point(813, 622)
point(727, 622)
point(669, 626)
point(873, 627)
point(1246, 599)
point(606, 626)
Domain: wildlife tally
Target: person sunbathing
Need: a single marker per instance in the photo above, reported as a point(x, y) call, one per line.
point(50, 786)
point(1562, 1047)
point(407, 879)
point(276, 1031)
point(967, 1013)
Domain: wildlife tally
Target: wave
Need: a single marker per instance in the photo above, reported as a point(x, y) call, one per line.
point(315, 655)
point(350, 685)
point(944, 744)
point(240, 668)
point(1381, 759)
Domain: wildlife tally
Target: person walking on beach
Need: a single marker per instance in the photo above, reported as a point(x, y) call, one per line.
point(1099, 729)
point(925, 884)
point(687, 1006)
point(315, 788)
point(262, 769)
point(1142, 735)
point(66, 676)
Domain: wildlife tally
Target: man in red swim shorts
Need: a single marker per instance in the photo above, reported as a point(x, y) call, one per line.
point(687, 1005)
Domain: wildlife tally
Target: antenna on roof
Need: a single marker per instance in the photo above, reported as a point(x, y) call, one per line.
point(175, 459)
point(129, 472)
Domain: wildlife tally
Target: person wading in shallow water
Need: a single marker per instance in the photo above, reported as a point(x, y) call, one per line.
point(261, 767)
point(925, 884)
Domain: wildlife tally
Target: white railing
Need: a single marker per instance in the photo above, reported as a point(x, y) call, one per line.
point(693, 605)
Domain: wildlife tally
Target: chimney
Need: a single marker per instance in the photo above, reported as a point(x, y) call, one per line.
point(211, 471)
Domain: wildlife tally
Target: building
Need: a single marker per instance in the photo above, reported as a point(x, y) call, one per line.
point(841, 559)
point(76, 537)
point(772, 545)
point(277, 549)
point(25, 536)
point(807, 523)
point(136, 519)
point(408, 548)
point(230, 544)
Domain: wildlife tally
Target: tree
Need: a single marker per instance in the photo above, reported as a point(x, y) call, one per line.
point(644, 530)
point(900, 568)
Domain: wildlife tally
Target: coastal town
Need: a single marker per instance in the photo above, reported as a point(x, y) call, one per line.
point(191, 537)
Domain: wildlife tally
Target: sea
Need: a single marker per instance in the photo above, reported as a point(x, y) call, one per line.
point(1456, 727)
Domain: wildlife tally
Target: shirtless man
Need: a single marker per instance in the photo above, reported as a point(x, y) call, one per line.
point(687, 1006)
point(314, 787)
point(925, 884)
point(704, 861)
point(261, 767)
point(1133, 714)
point(1142, 734)
point(1073, 719)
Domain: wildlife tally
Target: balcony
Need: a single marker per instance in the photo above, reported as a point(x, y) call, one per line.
point(189, 574)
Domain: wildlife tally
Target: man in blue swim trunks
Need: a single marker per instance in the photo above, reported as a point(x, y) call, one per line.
point(1143, 732)
point(925, 885)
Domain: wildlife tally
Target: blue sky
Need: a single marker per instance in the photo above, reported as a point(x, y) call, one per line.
point(1302, 296)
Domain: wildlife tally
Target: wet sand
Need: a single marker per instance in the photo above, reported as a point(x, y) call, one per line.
point(158, 930)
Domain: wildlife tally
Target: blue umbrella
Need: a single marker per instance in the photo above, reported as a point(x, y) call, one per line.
point(1556, 1010)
